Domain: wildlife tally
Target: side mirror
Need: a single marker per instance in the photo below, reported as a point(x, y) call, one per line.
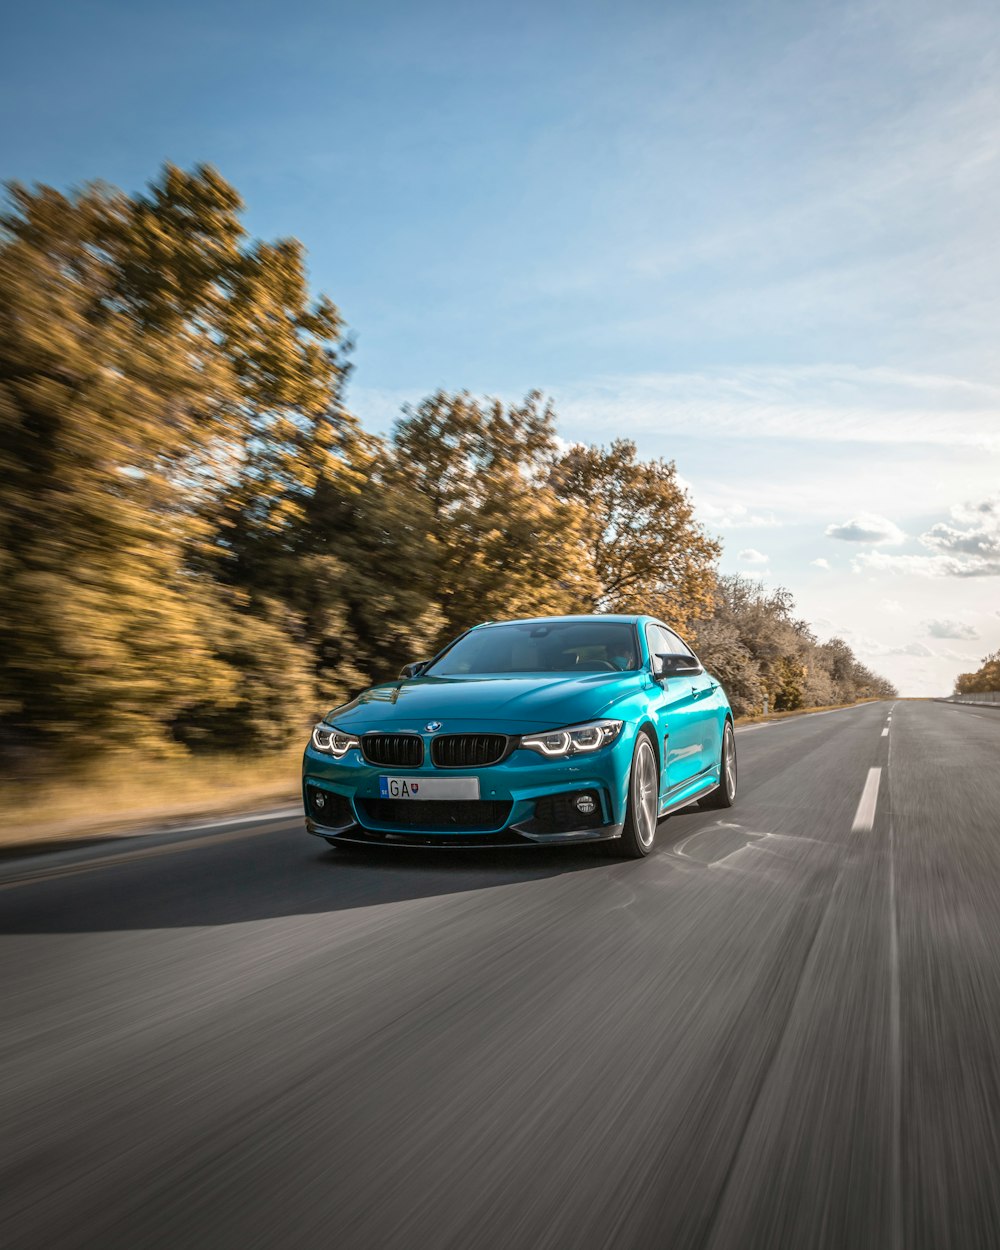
point(414, 669)
point(668, 664)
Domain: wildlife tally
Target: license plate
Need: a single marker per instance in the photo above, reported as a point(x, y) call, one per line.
point(428, 787)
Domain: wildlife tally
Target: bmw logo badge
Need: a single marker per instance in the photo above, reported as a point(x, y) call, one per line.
point(432, 726)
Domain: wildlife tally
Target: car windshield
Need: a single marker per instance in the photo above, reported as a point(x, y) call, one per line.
point(542, 647)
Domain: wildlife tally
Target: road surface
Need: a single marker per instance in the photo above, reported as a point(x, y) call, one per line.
point(781, 1030)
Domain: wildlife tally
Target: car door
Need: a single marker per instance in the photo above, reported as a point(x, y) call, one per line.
point(679, 717)
point(706, 726)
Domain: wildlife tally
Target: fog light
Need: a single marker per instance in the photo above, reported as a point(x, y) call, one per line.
point(319, 798)
point(585, 804)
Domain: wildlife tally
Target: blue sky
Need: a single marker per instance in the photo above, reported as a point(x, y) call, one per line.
point(759, 239)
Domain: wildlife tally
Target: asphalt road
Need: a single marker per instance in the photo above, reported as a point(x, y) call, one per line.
point(781, 1030)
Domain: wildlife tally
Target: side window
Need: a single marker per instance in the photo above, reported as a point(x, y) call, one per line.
point(654, 642)
point(674, 644)
point(661, 641)
point(664, 641)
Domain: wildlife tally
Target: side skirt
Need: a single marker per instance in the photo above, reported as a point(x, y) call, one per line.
point(675, 804)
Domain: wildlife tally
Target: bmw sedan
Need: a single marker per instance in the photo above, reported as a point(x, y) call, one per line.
point(554, 730)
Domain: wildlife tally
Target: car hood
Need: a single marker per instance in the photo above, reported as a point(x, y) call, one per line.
point(508, 704)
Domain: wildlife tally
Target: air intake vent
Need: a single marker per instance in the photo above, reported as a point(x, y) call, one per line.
point(468, 750)
point(329, 808)
point(434, 815)
point(396, 750)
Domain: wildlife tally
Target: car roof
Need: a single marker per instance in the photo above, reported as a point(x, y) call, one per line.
point(628, 618)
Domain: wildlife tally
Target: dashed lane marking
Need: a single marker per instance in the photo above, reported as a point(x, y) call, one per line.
point(864, 817)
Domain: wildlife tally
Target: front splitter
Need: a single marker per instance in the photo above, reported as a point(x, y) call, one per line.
point(356, 835)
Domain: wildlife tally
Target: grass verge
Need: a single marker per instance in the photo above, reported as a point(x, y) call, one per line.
point(131, 794)
point(803, 711)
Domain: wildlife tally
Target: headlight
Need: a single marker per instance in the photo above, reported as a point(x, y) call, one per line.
point(576, 740)
point(333, 741)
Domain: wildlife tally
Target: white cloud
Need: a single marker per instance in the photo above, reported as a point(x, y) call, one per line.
point(925, 566)
point(972, 661)
point(731, 514)
point(982, 541)
point(867, 527)
point(912, 648)
point(891, 605)
point(820, 563)
point(969, 549)
point(872, 648)
point(986, 511)
point(951, 629)
point(825, 403)
point(750, 556)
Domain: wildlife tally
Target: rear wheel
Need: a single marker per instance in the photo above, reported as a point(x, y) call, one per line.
point(725, 795)
point(643, 802)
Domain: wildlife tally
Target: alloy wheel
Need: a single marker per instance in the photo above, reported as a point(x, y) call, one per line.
point(645, 793)
point(729, 763)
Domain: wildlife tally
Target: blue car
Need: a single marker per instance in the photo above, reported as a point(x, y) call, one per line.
point(553, 730)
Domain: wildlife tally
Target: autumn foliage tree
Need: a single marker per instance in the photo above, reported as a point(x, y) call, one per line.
point(646, 550)
point(152, 362)
point(986, 678)
point(753, 642)
point(500, 541)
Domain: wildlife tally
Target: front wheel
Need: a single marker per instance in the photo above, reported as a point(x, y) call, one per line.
point(725, 795)
point(643, 802)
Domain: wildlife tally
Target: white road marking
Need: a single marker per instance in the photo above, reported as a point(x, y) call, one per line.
point(278, 813)
point(864, 817)
point(885, 732)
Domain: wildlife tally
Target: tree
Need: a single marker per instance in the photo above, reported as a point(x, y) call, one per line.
point(647, 551)
point(368, 577)
point(500, 541)
point(755, 645)
point(150, 359)
point(728, 658)
point(984, 679)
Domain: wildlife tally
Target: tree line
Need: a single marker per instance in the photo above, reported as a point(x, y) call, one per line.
point(200, 545)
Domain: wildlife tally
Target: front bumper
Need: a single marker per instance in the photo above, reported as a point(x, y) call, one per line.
point(525, 800)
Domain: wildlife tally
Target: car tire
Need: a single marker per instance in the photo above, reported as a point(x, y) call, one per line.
point(725, 794)
point(639, 832)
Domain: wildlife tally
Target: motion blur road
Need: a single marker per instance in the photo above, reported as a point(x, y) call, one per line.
point(781, 1030)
